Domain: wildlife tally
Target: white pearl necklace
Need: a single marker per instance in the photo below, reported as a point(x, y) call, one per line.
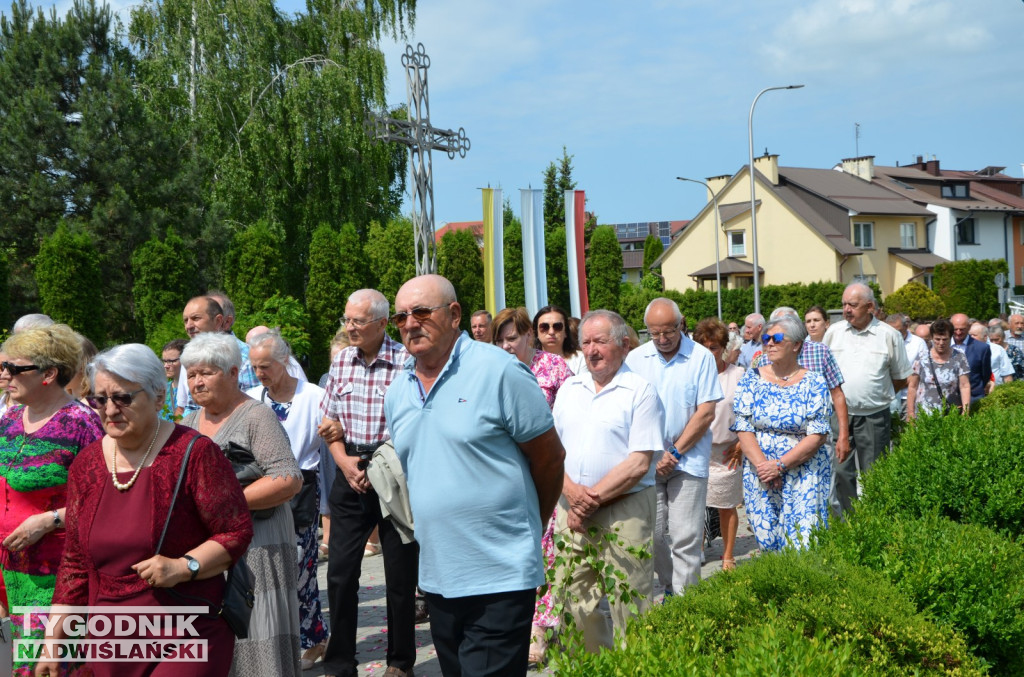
point(113, 466)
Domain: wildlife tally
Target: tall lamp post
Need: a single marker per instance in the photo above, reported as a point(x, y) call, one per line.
point(718, 270)
point(753, 211)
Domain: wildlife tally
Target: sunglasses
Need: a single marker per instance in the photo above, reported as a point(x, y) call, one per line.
point(15, 369)
point(421, 314)
point(120, 400)
point(777, 337)
point(557, 326)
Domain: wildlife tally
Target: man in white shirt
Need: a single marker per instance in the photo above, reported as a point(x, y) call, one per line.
point(874, 363)
point(610, 422)
point(686, 378)
point(1002, 368)
point(916, 349)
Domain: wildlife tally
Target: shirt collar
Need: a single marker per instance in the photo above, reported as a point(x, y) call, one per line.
point(683, 353)
point(388, 352)
point(870, 329)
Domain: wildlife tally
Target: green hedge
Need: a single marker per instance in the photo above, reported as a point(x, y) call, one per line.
point(967, 469)
point(965, 575)
point(748, 621)
point(1006, 396)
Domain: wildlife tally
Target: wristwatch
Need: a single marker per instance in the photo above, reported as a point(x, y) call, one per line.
point(57, 521)
point(193, 566)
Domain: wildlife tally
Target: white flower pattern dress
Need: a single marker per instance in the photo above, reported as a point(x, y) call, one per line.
point(780, 417)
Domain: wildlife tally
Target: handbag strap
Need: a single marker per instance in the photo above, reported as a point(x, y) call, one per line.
point(177, 487)
point(935, 379)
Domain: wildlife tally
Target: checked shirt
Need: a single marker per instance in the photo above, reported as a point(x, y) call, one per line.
point(813, 357)
point(355, 391)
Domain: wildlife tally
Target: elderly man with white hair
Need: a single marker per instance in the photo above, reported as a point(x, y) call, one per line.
point(1002, 368)
point(751, 339)
point(874, 363)
point(686, 378)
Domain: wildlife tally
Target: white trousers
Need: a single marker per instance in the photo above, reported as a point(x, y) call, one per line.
point(679, 529)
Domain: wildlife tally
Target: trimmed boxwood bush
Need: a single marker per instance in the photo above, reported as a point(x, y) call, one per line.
point(968, 469)
point(728, 623)
point(1006, 396)
point(964, 574)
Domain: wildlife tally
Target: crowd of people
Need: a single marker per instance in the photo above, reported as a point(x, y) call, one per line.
point(530, 450)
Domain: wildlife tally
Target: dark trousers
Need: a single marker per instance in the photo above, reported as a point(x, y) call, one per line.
point(482, 635)
point(353, 517)
point(869, 440)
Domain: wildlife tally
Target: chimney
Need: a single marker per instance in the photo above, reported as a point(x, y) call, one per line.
point(716, 184)
point(861, 167)
point(769, 166)
point(932, 166)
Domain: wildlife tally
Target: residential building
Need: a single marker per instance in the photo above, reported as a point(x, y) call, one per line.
point(813, 225)
point(977, 214)
point(631, 238)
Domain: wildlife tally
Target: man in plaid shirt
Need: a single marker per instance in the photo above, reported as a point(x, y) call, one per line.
point(353, 428)
point(818, 357)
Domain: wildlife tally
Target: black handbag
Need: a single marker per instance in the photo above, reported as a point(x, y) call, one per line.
point(247, 470)
point(305, 507)
point(239, 588)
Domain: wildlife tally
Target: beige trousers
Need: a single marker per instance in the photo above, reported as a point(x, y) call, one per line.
point(577, 583)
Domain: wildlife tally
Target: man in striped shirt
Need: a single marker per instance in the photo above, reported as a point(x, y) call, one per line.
point(354, 398)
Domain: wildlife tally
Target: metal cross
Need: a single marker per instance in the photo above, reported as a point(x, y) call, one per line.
point(416, 133)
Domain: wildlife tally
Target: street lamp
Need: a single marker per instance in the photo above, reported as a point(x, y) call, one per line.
point(718, 271)
point(753, 212)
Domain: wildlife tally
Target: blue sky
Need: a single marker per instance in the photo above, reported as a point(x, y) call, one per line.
point(645, 91)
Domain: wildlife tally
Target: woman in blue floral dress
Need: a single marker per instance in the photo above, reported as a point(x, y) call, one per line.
point(782, 419)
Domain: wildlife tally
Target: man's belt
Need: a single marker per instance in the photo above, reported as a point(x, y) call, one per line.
point(361, 449)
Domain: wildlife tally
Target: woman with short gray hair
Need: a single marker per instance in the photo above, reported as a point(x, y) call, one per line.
point(239, 424)
point(120, 491)
point(297, 407)
point(782, 420)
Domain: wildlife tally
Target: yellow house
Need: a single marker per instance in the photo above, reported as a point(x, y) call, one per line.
point(812, 225)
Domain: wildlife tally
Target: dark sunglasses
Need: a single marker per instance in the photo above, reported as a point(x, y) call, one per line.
point(557, 326)
point(421, 314)
point(120, 400)
point(777, 337)
point(15, 369)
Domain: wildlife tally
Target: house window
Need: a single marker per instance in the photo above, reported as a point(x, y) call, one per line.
point(955, 190)
point(864, 235)
point(865, 279)
point(737, 243)
point(740, 282)
point(966, 233)
point(928, 279)
point(908, 235)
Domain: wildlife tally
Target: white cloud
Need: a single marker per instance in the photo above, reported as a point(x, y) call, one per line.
point(862, 38)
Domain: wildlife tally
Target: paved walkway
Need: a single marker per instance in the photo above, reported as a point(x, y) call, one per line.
point(372, 636)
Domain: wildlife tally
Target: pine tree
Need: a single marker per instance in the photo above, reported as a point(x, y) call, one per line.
point(653, 248)
point(165, 279)
point(515, 286)
point(253, 268)
point(336, 269)
point(71, 285)
point(604, 269)
point(460, 260)
point(389, 251)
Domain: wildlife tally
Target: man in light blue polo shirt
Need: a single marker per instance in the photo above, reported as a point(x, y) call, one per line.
point(685, 376)
point(484, 468)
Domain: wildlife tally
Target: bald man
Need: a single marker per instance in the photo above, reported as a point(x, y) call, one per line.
point(1015, 337)
point(979, 356)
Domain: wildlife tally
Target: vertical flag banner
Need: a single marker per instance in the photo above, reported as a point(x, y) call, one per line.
point(576, 252)
point(494, 251)
point(535, 274)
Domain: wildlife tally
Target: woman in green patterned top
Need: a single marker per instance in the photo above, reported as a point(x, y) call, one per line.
point(40, 435)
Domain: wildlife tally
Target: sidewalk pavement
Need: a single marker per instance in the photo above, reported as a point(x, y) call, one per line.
point(371, 640)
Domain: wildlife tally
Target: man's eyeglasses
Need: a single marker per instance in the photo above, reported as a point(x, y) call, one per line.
point(556, 326)
point(170, 362)
point(345, 321)
point(662, 335)
point(777, 337)
point(421, 314)
point(15, 369)
point(120, 400)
